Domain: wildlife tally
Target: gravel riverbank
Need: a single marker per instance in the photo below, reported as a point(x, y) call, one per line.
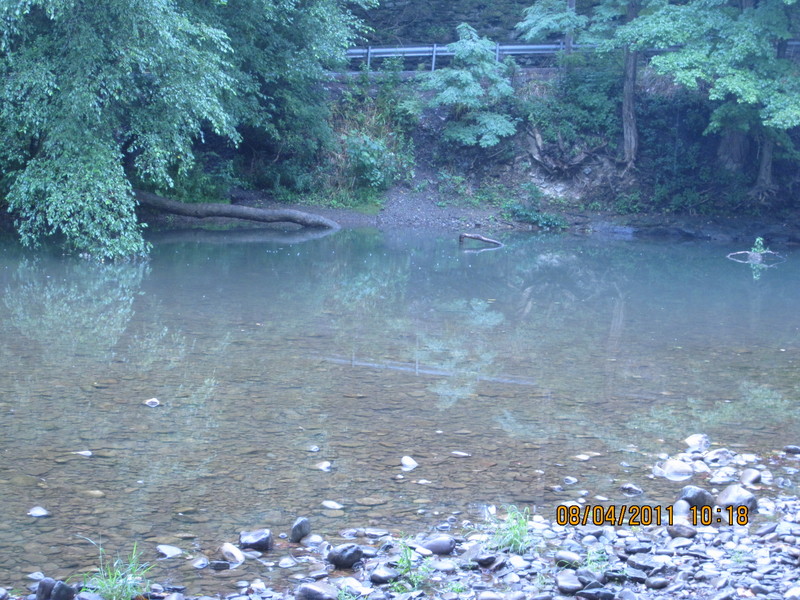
point(732, 532)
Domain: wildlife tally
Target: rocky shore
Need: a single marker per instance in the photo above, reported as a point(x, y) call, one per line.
point(737, 536)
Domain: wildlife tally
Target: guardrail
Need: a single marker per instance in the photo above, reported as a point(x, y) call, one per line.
point(500, 51)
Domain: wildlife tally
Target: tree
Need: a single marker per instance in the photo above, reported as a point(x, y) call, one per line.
point(97, 96)
point(735, 51)
point(548, 17)
point(473, 89)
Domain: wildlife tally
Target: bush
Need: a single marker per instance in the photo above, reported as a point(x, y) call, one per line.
point(476, 90)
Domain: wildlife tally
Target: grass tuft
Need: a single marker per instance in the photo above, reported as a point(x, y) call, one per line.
point(513, 534)
point(120, 579)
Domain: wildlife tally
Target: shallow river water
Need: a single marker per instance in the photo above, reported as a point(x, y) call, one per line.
point(500, 372)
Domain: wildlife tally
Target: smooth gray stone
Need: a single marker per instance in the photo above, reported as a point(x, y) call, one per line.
point(736, 495)
point(316, 591)
point(383, 574)
point(656, 582)
point(344, 556)
point(680, 530)
point(565, 558)
point(567, 582)
point(62, 591)
point(300, 529)
point(696, 496)
point(441, 544)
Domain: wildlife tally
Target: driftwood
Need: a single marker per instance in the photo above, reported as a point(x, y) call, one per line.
point(480, 238)
point(233, 211)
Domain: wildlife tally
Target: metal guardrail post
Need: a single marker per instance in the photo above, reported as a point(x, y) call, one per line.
point(369, 57)
point(433, 60)
point(497, 51)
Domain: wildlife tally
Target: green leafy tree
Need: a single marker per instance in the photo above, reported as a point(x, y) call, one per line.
point(736, 53)
point(474, 89)
point(95, 96)
point(87, 85)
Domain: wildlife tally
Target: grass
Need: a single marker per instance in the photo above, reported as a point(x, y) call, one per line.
point(596, 560)
point(120, 579)
point(413, 576)
point(512, 534)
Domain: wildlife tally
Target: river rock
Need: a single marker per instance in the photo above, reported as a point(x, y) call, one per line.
point(736, 495)
point(698, 442)
point(169, 551)
point(316, 591)
point(3, 593)
point(232, 554)
point(62, 591)
point(681, 530)
point(344, 556)
point(200, 562)
point(300, 529)
point(631, 489)
point(383, 574)
point(408, 464)
point(567, 582)
point(38, 511)
point(44, 588)
point(258, 539)
point(331, 505)
point(721, 457)
point(441, 544)
point(674, 470)
point(596, 593)
point(566, 558)
point(696, 496)
point(750, 476)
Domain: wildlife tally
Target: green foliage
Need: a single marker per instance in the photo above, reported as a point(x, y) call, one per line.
point(596, 559)
point(475, 90)
point(414, 574)
point(371, 120)
point(513, 533)
point(731, 51)
point(95, 96)
point(578, 111)
point(122, 579)
point(548, 17)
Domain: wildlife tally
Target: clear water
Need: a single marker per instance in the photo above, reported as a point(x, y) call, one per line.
point(366, 347)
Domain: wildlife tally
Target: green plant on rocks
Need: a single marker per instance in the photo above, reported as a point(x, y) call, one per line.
point(414, 574)
point(513, 534)
point(596, 559)
point(120, 579)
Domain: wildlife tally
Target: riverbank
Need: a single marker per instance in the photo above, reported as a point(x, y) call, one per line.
point(592, 548)
point(408, 208)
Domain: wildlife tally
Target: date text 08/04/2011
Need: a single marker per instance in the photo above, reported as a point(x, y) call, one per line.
point(644, 515)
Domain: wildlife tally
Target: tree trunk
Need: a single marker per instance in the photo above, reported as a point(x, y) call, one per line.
point(630, 133)
point(733, 149)
point(569, 38)
point(233, 211)
point(764, 185)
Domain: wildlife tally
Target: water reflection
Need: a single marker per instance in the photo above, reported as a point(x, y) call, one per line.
point(493, 370)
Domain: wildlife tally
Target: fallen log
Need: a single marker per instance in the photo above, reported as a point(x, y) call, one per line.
point(233, 211)
point(480, 238)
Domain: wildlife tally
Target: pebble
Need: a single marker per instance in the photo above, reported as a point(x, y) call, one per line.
point(169, 551)
point(677, 560)
point(300, 529)
point(38, 511)
point(408, 464)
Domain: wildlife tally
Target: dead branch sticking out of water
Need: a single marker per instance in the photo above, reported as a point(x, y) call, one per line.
point(480, 238)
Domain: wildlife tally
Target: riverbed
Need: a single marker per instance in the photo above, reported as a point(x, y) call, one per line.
point(288, 373)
